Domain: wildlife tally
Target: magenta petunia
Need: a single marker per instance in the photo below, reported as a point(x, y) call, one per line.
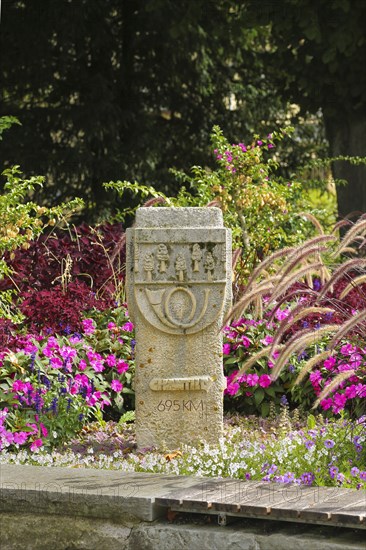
point(36, 445)
point(116, 385)
point(128, 327)
point(121, 366)
point(226, 348)
point(252, 379)
point(265, 381)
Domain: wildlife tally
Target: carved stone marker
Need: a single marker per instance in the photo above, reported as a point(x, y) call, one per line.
point(178, 289)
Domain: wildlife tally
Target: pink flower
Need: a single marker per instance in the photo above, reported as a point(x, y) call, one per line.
point(43, 430)
point(252, 379)
point(265, 381)
point(36, 444)
point(111, 325)
point(111, 360)
point(82, 364)
point(56, 363)
point(315, 377)
point(18, 385)
point(348, 349)
point(326, 403)
point(116, 385)
point(339, 402)
point(68, 353)
point(282, 314)
point(267, 340)
point(20, 438)
point(121, 366)
point(233, 388)
point(226, 348)
point(98, 366)
point(246, 342)
point(329, 363)
point(128, 327)
point(351, 392)
point(88, 326)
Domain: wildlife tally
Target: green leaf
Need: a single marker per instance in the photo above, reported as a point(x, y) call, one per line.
point(311, 423)
point(265, 409)
point(270, 391)
point(231, 361)
point(259, 396)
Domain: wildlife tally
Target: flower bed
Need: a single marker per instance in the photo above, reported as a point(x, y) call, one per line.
point(285, 450)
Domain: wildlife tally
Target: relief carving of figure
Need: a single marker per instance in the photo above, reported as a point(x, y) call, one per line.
point(209, 265)
point(196, 256)
point(180, 267)
point(149, 265)
point(163, 257)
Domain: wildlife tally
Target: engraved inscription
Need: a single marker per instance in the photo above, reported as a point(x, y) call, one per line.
point(193, 383)
point(180, 405)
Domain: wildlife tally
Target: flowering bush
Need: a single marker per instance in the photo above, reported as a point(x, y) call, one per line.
point(50, 386)
point(253, 391)
point(260, 208)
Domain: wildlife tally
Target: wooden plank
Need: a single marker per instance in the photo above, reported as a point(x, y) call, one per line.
point(199, 491)
point(329, 509)
point(210, 493)
point(354, 515)
point(328, 505)
point(300, 497)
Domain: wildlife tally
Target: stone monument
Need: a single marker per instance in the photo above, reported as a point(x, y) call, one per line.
point(178, 289)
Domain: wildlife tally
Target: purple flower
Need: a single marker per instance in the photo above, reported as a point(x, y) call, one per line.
point(317, 284)
point(288, 477)
point(307, 478)
point(272, 469)
point(329, 443)
point(309, 443)
point(284, 401)
point(333, 471)
point(363, 475)
point(355, 471)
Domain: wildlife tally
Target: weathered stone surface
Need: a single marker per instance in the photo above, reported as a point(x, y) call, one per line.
point(178, 288)
point(42, 532)
point(37, 532)
point(243, 535)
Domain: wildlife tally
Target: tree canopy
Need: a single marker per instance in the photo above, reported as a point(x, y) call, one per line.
point(127, 89)
point(124, 89)
point(318, 53)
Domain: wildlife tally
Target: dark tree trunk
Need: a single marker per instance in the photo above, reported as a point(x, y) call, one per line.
point(347, 137)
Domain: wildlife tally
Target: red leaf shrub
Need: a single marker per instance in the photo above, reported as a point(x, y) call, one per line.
point(89, 249)
point(65, 273)
point(58, 311)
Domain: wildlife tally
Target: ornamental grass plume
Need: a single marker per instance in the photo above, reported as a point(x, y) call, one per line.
point(358, 230)
point(287, 277)
point(333, 385)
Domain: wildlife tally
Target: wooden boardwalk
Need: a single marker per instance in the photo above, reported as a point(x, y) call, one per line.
point(234, 498)
point(113, 494)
